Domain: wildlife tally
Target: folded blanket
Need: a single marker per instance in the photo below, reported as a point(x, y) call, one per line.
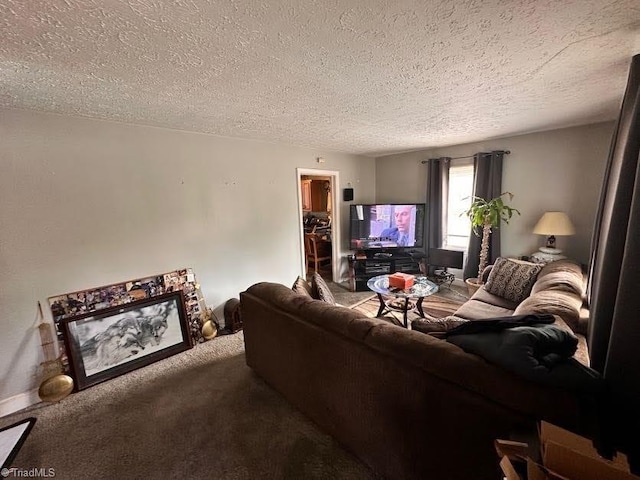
point(537, 351)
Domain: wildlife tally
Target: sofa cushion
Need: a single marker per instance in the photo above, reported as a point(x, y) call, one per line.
point(321, 289)
point(302, 287)
point(475, 309)
point(482, 295)
point(338, 319)
point(512, 279)
point(565, 305)
point(562, 275)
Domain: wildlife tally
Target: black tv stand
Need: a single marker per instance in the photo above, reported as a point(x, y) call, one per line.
point(362, 268)
point(382, 255)
point(378, 254)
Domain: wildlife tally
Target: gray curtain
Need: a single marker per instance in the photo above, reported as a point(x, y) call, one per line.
point(614, 277)
point(487, 172)
point(437, 188)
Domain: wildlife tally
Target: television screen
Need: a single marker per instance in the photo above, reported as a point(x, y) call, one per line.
point(387, 226)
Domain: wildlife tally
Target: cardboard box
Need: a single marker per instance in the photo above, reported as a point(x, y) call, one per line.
point(400, 280)
point(563, 455)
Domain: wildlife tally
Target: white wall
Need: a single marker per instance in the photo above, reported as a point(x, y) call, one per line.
point(85, 203)
point(553, 170)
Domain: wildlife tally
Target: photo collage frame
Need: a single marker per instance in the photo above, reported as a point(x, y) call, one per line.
point(73, 304)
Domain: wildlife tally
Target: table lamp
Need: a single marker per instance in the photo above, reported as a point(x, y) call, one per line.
point(552, 224)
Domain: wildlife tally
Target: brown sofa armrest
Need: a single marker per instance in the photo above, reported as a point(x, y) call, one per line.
point(485, 273)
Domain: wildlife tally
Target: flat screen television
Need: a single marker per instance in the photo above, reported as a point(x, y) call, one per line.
point(387, 226)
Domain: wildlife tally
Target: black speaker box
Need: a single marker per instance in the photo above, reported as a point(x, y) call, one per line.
point(347, 194)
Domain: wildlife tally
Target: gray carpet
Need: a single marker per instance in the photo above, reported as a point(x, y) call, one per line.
point(198, 414)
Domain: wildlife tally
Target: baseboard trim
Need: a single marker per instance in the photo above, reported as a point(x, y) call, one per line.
point(18, 402)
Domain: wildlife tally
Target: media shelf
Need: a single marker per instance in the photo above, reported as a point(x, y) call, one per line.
point(362, 269)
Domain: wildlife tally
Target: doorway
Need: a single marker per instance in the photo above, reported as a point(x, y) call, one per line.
point(319, 218)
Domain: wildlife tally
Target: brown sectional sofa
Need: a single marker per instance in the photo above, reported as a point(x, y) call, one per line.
point(558, 290)
point(407, 404)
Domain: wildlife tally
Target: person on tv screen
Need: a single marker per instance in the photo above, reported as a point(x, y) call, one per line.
point(401, 234)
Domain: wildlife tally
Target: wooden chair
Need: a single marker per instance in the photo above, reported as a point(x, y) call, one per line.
point(316, 251)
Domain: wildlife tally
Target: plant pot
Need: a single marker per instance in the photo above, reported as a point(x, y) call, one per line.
point(473, 284)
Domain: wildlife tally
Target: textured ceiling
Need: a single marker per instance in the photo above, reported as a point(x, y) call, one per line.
point(363, 76)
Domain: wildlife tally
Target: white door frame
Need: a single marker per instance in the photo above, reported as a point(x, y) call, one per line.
point(335, 219)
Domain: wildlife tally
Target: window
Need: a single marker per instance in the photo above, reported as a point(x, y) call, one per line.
point(457, 226)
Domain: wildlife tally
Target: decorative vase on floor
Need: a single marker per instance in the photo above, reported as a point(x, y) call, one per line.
point(55, 388)
point(473, 285)
point(55, 384)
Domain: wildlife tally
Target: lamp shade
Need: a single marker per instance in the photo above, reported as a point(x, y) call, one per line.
point(554, 223)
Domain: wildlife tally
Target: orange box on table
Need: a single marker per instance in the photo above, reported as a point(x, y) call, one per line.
point(401, 280)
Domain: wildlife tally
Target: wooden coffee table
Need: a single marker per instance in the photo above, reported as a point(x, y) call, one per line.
point(401, 301)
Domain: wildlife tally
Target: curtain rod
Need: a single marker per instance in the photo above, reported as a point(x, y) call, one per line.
point(506, 152)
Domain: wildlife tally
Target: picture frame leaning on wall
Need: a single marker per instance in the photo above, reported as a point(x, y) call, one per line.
point(108, 343)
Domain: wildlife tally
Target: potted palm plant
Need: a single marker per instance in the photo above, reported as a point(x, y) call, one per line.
point(484, 216)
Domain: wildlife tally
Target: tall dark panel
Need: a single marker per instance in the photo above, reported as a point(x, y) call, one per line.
point(614, 327)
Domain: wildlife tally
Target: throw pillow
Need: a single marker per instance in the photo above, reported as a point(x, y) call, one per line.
point(302, 287)
point(321, 289)
point(512, 279)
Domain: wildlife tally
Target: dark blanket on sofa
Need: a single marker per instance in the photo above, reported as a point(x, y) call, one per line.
point(537, 351)
point(496, 324)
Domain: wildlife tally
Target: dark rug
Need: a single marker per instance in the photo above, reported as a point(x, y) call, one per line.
point(199, 414)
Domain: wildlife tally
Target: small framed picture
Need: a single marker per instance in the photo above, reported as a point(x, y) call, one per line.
point(11, 439)
point(120, 339)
